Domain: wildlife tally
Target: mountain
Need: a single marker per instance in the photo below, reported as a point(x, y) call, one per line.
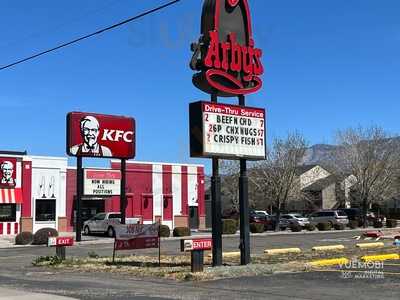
point(320, 154)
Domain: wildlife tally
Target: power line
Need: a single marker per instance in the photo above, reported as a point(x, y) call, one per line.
point(90, 35)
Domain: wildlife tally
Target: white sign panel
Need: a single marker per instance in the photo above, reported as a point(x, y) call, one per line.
point(233, 131)
point(102, 182)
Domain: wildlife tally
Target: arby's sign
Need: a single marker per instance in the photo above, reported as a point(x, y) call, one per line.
point(98, 135)
point(225, 58)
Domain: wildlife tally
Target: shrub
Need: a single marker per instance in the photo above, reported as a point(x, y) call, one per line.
point(310, 227)
point(93, 254)
point(324, 226)
point(353, 224)
point(42, 235)
point(24, 238)
point(229, 226)
point(295, 228)
point(164, 231)
point(391, 223)
point(378, 224)
point(339, 226)
point(181, 231)
point(256, 228)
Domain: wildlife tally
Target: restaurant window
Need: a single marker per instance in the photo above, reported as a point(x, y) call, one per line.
point(7, 212)
point(45, 210)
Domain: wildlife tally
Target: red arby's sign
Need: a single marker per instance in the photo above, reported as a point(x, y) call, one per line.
point(98, 135)
point(228, 62)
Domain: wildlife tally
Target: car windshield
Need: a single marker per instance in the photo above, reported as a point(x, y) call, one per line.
point(341, 213)
point(114, 216)
point(297, 216)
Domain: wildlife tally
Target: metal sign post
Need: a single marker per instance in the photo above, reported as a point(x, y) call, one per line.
point(123, 191)
point(244, 207)
point(216, 208)
point(79, 192)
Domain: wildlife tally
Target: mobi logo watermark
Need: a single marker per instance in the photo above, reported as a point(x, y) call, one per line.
point(362, 270)
point(227, 61)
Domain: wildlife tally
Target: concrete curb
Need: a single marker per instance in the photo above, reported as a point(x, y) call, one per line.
point(370, 245)
point(380, 257)
point(282, 251)
point(329, 262)
point(328, 248)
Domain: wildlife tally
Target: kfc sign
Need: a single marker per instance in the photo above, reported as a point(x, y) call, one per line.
point(95, 135)
point(226, 57)
point(8, 172)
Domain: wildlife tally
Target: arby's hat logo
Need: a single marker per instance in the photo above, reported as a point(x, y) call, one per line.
point(228, 62)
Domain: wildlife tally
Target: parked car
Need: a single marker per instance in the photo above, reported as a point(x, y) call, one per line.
point(261, 212)
point(105, 222)
point(261, 218)
point(329, 216)
point(292, 219)
point(355, 214)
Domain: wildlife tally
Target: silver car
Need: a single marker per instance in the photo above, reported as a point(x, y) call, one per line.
point(329, 216)
point(292, 219)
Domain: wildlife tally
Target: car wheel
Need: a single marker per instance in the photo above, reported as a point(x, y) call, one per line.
point(86, 230)
point(110, 232)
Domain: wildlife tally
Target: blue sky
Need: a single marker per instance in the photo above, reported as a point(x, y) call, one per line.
point(328, 65)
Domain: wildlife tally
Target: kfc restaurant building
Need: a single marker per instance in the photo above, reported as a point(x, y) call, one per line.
point(170, 193)
point(40, 192)
point(34, 195)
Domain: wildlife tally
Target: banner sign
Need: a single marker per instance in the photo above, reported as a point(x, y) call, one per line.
point(136, 236)
point(97, 135)
point(8, 172)
point(102, 182)
point(227, 61)
point(196, 245)
point(224, 130)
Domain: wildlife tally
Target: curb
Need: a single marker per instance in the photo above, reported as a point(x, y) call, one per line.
point(328, 248)
point(228, 254)
point(329, 262)
point(381, 257)
point(370, 245)
point(282, 251)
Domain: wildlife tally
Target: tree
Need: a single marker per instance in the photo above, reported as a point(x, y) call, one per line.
point(276, 177)
point(371, 155)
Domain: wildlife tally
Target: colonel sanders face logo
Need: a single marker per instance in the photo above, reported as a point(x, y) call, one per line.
point(7, 170)
point(90, 131)
point(225, 58)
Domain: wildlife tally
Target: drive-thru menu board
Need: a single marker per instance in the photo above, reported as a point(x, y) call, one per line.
point(224, 130)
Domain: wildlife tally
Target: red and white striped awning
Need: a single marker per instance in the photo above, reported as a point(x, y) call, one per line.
point(10, 196)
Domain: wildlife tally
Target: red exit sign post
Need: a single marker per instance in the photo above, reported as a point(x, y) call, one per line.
point(60, 243)
point(197, 248)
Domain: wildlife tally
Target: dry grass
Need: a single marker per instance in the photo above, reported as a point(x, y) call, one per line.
point(178, 267)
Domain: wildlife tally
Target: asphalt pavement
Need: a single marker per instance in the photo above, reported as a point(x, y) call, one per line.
point(17, 273)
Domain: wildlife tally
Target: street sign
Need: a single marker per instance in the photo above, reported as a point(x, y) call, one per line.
point(98, 135)
point(102, 182)
point(196, 244)
point(224, 130)
point(60, 241)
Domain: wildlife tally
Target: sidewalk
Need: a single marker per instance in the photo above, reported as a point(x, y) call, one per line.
point(7, 294)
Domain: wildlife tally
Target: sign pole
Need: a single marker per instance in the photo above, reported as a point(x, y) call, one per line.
point(216, 207)
point(159, 246)
point(113, 261)
point(123, 191)
point(244, 207)
point(79, 192)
